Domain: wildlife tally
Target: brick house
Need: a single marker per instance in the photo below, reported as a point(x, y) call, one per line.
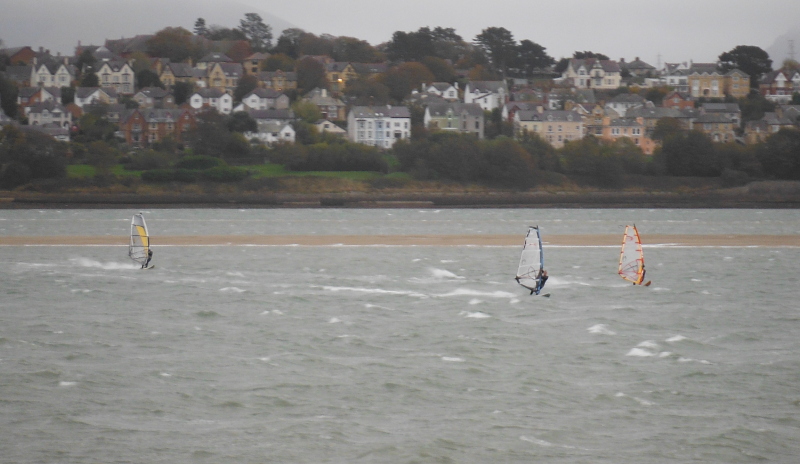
point(142, 127)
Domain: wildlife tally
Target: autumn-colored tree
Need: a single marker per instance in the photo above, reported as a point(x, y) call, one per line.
point(354, 50)
point(175, 43)
point(246, 84)
point(279, 61)
point(441, 69)
point(402, 79)
point(239, 50)
point(310, 75)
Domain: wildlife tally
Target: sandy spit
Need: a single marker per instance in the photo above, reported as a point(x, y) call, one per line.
point(408, 240)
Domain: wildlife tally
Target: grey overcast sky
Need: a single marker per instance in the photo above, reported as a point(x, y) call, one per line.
point(656, 32)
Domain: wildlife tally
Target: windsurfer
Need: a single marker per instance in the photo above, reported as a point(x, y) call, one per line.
point(542, 279)
point(149, 257)
point(643, 273)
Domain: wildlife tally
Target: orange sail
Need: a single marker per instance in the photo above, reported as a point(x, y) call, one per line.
point(631, 257)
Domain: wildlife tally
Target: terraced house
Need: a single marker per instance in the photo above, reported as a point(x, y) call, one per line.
point(52, 73)
point(117, 74)
point(463, 118)
point(554, 126)
point(378, 126)
point(143, 127)
point(592, 73)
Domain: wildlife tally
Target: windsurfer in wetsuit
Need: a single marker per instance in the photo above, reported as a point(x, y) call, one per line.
point(149, 257)
point(542, 279)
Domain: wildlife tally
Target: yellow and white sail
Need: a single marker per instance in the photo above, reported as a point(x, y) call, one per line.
point(631, 257)
point(140, 239)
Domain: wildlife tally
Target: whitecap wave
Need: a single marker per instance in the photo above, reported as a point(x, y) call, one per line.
point(676, 338)
point(638, 352)
point(443, 274)
point(474, 315)
point(232, 290)
point(378, 291)
point(471, 292)
point(452, 359)
point(601, 329)
point(109, 266)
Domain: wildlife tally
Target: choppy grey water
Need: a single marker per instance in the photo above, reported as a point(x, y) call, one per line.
point(371, 354)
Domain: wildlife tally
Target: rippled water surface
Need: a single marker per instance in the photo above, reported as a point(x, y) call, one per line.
point(397, 354)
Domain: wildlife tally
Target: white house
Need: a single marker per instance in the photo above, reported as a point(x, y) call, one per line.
point(445, 90)
point(212, 98)
point(626, 101)
point(89, 95)
point(272, 132)
point(378, 126)
point(488, 94)
point(52, 74)
point(592, 73)
point(49, 112)
point(117, 74)
point(264, 99)
point(323, 126)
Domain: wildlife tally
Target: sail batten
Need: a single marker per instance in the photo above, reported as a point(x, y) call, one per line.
point(140, 239)
point(631, 256)
point(531, 262)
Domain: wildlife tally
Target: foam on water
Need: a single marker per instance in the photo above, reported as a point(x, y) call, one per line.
point(107, 266)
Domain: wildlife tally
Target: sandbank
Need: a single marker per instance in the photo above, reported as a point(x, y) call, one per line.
point(407, 240)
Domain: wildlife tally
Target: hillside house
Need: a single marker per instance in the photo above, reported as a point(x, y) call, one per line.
point(592, 73)
point(554, 126)
point(779, 86)
point(488, 94)
point(378, 126)
point(212, 98)
point(462, 118)
point(142, 127)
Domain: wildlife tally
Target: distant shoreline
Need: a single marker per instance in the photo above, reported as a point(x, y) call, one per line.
point(734, 198)
point(483, 240)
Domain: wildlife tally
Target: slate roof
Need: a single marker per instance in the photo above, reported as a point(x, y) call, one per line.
point(703, 68)
point(608, 66)
point(49, 106)
point(720, 108)
point(215, 57)
point(209, 92)
point(19, 73)
point(441, 109)
point(486, 86)
point(154, 92)
point(380, 111)
point(370, 68)
point(653, 113)
point(181, 69)
point(281, 114)
point(549, 116)
point(232, 69)
point(264, 93)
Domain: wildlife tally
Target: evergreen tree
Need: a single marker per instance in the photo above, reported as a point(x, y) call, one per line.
point(258, 33)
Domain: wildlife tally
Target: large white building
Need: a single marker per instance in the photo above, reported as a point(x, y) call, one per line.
point(488, 94)
point(378, 126)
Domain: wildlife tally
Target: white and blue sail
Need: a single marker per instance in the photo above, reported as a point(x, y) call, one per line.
point(140, 239)
point(531, 263)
